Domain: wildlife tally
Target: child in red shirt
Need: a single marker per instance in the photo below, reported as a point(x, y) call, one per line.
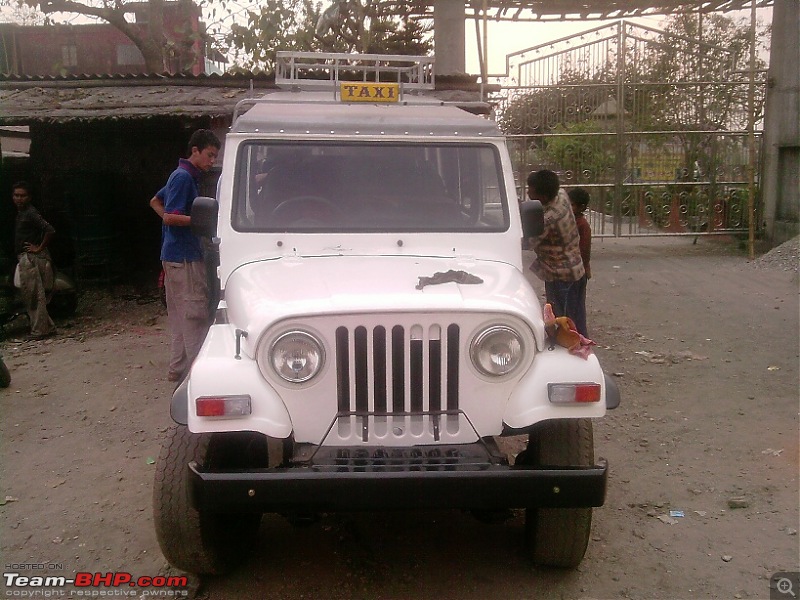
point(579, 199)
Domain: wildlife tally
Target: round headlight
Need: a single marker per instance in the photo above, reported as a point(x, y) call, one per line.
point(497, 350)
point(296, 356)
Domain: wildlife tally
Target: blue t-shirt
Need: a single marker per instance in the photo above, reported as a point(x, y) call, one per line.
point(179, 243)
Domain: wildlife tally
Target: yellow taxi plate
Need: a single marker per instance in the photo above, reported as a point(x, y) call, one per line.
point(356, 91)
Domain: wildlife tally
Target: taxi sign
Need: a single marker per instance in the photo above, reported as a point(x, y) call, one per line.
point(357, 91)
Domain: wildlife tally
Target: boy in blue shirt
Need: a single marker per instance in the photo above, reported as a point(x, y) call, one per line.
point(182, 254)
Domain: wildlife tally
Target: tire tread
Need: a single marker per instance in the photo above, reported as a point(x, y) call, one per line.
point(559, 537)
point(190, 540)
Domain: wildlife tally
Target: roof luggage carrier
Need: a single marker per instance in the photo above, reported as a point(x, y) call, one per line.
point(325, 70)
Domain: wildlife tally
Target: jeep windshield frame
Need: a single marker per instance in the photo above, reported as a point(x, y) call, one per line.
point(369, 186)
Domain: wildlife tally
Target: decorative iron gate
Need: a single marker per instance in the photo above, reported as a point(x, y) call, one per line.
point(653, 125)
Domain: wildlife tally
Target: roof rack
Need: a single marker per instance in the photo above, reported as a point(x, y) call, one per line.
point(324, 70)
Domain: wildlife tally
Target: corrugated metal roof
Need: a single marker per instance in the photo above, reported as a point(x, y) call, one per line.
point(239, 78)
point(64, 99)
point(28, 100)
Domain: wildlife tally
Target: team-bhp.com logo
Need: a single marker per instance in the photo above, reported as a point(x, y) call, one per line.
point(93, 585)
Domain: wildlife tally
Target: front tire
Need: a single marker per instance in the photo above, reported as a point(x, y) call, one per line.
point(195, 541)
point(558, 537)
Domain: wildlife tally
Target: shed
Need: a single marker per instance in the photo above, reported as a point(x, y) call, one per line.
point(100, 147)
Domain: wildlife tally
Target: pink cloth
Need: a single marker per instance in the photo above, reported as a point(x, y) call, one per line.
point(563, 331)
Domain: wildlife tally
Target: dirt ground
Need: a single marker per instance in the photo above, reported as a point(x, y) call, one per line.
point(703, 344)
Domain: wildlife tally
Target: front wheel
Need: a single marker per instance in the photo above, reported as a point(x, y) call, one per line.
point(198, 541)
point(558, 537)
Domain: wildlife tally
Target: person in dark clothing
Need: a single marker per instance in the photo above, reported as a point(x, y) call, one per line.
point(32, 234)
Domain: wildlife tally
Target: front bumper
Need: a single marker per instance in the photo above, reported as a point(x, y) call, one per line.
point(366, 485)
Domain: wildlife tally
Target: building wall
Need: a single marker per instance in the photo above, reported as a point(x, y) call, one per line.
point(781, 170)
point(57, 50)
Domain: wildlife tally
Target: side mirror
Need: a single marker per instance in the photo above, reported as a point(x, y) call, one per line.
point(532, 214)
point(204, 216)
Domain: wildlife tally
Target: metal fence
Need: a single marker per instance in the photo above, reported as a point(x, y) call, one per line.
point(655, 126)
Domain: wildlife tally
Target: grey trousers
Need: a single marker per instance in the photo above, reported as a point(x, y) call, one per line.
point(36, 280)
point(187, 312)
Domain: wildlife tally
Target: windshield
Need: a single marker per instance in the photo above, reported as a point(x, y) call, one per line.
point(368, 187)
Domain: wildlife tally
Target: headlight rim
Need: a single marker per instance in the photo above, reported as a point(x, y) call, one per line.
point(482, 334)
point(267, 353)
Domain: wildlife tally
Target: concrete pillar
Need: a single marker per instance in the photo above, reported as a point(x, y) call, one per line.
point(781, 172)
point(448, 36)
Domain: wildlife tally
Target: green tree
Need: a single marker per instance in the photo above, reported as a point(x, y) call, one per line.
point(681, 78)
point(697, 85)
point(694, 52)
point(690, 79)
point(590, 158)
point(578, 92)
point(346, 26)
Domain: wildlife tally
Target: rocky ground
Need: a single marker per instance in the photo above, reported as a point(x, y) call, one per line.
point(785, 257)
point(703, 452)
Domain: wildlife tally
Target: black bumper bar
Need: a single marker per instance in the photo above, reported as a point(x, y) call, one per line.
point(496, 486)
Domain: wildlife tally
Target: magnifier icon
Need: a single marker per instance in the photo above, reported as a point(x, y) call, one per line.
point(784, 586)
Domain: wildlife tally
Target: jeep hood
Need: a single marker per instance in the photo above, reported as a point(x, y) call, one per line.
point(265, 292)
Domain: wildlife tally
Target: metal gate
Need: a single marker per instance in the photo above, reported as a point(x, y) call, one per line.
point(654, 125)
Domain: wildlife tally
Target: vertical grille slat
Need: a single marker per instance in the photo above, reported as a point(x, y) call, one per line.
point(435, 379)
point(453, 341)
point(379, 368)
point(416, 375)
point(361, 375)
point(398, 369)
point(342, 369)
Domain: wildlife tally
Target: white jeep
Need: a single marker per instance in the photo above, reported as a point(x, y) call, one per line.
point(375, 334)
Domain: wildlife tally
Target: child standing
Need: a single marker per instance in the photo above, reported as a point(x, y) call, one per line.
point(579, 199)
point(558, 257)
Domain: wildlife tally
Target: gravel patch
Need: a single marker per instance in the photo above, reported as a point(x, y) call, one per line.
point(785, 257)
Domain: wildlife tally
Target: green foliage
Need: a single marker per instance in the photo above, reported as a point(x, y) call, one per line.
point(687, 66)
point(349, 27)
point(679, 80)
point(590, 157)
point(277, 25)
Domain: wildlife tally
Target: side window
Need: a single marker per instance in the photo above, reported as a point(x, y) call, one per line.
point(492, 205)
point(472, 177)
point(246, 187)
